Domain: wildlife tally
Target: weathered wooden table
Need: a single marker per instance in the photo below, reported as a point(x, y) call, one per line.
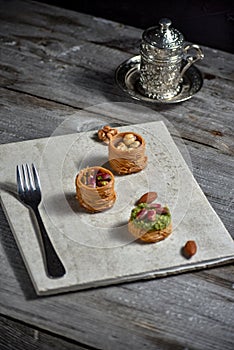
point(53, 63)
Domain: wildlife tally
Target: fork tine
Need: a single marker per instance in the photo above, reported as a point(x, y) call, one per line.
point(25, 177)
point(29, 177)
point(36, 178)
point(20, 187)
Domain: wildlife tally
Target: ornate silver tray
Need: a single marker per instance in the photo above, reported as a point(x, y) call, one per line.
point(127, 77)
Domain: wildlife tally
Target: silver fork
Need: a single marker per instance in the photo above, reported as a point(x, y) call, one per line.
point(29, 191)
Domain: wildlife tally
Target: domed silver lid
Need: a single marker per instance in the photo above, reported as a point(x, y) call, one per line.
point(163, 36)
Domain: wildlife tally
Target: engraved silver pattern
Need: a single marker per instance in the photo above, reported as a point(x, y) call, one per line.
point(162, 53)
point(127, 76)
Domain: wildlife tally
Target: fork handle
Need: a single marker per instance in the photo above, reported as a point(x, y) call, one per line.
point(54, 266)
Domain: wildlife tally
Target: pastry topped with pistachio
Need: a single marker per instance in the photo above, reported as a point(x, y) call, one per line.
point(150, 222)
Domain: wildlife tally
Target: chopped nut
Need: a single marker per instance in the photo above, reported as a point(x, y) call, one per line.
point(106, 128)
point(129, 136)
point(135, 144)
point(101, 135)
point(122, 146)
point(129, 139)
point(113, 132)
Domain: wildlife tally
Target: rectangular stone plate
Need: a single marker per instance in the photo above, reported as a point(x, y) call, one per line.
point(97, 249)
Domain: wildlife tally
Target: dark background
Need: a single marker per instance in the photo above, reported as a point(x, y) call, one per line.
point(209, 23)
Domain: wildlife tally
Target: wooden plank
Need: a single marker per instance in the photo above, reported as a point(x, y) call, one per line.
point(25, 117)
point(55, 29)
point(78, 70)
point(215, 179)
point(17, 336)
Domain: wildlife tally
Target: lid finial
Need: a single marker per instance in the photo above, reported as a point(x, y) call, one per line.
point(163, 36)
point(165, 23)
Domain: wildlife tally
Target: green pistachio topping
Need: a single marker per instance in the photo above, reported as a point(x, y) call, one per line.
point(151, 216)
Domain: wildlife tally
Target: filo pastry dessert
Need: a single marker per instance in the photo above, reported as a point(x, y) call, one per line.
point(127, 153)
point(95, 189)
point(150, 222)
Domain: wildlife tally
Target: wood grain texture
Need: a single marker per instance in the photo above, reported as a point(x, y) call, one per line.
point(53, 63)
point(17, 336)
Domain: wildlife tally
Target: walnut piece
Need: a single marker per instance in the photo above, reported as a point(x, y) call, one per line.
point(106, 133)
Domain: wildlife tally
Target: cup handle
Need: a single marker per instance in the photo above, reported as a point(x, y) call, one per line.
point(191, 59)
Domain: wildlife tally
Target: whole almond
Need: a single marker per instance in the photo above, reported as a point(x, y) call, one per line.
point(148, 197)
point(189, 249)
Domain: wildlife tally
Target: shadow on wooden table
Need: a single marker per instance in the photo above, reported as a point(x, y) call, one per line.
point(112, 92)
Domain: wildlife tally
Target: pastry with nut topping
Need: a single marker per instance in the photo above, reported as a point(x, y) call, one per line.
point(127, 153)
point(95, 189)
point(150, 222)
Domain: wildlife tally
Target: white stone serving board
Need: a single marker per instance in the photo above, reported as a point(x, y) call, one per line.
point(97, 249)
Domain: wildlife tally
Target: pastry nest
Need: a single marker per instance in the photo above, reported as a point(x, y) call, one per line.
point(149, 236)
point(95, 199)
point(129, 161)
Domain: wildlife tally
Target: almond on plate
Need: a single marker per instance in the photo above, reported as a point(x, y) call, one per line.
point(148, 197)
point(189, 249)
